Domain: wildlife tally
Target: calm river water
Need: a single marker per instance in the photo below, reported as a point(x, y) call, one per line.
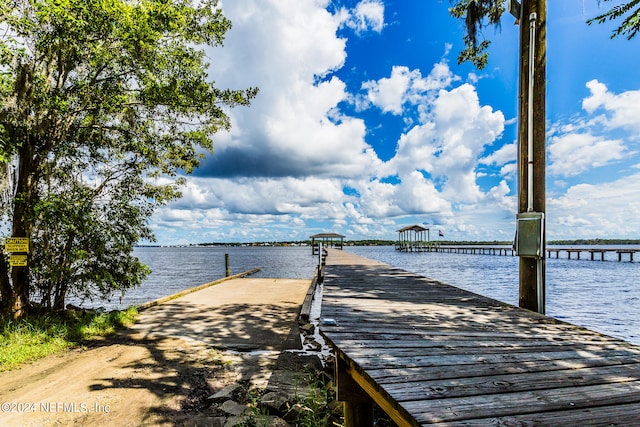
point(603, 296)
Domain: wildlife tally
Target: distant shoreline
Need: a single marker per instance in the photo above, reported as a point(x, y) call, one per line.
point(374, 242)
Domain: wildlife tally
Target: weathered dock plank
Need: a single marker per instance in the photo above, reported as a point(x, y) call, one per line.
point(429, 353)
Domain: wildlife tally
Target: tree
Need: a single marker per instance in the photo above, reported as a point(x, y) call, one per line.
point(630, 25)
point(477, 14)
point(103, 104)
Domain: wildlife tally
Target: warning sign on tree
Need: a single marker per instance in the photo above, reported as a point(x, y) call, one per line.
point(16, 244)
point(18, 260)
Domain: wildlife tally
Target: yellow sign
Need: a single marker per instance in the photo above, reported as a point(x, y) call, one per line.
point(16, 244)
point(18, 260)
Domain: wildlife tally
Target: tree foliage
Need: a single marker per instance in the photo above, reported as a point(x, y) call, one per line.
point(477, 15)
point(630, 15)
point(102, 104)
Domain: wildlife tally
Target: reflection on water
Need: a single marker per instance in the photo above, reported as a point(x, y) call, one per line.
point(602, 296)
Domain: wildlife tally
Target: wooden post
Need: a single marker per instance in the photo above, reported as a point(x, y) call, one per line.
point(227, 268)
point(358, 405)
point(532, 269)
point(320, 263)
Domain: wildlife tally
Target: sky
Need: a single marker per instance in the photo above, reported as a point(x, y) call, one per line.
point(365, 123)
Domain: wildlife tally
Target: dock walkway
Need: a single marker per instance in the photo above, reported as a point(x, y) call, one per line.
point(431, 354)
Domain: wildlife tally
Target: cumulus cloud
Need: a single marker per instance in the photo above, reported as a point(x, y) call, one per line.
point(574, 153)
point(587, 142)
point(596, 210)
point(295, 158)
point(417, 195)
point(286, 48)
point(390, 93)
point(605, 134)
point(508, 153)
point(449, 144)
point(249, 195)
point(404, 86)
point(620, 111)
point(368, 15)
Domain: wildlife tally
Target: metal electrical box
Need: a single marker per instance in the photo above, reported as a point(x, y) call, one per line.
point(529, 234)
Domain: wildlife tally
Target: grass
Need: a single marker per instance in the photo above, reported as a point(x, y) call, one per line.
point(313, 408)
point(35, 337)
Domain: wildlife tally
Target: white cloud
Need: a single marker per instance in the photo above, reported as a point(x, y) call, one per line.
point(508, 153)
point(620, 111)
point(368, 15)
point(293, 127)
point(499, 196)
point(418, 195)
point(509, 170)
point(404, 86)
point(377, 199)
point(602, 136)
point(573, 153)
point(296, 160)
point(415, 195)
point(506, 158)
point(606, 210)
point(448, 146)
point(389, 93)
point(605, 135)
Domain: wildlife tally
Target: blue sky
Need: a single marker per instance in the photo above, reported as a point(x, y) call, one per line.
point(365, 123)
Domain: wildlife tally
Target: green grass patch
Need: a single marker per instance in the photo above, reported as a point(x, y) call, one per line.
point(35, 337)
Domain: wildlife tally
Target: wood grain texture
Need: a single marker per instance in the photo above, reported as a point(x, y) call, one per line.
point(444, 356)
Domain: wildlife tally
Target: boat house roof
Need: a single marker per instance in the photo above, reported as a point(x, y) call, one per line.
point(327, 236)
point(412, 228)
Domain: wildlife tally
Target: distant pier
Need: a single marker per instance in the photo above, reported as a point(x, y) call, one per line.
point(621, 253)
point(592, 253)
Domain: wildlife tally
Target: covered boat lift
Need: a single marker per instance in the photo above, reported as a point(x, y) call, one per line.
point(328, 240)
point(413, 238)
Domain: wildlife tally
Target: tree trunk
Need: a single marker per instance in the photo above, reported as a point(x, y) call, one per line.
point(22, 225)
point(530, 268)
point(6, 292)
point(60, 296)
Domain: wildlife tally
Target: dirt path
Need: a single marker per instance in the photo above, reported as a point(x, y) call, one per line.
point(159, 371)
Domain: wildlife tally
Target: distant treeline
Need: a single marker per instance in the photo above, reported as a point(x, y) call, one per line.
point(252, 243)
point(381, 242)
point(596, 242)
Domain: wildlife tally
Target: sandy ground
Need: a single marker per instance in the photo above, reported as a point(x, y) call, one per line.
point(160, 370)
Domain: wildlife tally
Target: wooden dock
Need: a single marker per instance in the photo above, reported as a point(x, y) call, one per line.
point(594, 253)
point(576, 252)
point(427, 353)
point(476, 249)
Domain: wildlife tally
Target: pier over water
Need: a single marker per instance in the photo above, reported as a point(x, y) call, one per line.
point(592, 253)
point(428, 353)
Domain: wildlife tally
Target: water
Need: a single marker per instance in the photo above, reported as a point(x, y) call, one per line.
point(177, 268)
point(602, 296)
